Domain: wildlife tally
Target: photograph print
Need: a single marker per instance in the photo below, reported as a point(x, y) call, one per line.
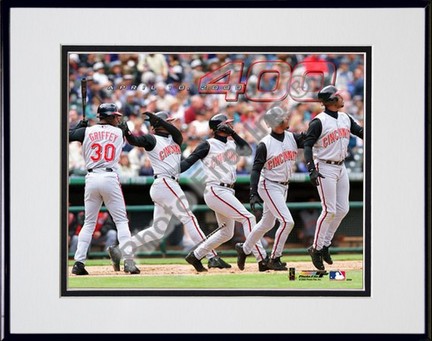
point(215, 171)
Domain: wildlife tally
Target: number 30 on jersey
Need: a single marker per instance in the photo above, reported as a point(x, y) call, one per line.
point(107, 152)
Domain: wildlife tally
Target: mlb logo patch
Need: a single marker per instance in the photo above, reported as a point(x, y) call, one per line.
point(337, 275)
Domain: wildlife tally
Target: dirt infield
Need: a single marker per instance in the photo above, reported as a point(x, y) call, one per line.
point(177, 269)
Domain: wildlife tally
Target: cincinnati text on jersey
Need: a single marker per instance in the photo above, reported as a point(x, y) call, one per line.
point(169, 150)
point(336, 135)
point(285, 156)
point(229, 156)
point(103, 135)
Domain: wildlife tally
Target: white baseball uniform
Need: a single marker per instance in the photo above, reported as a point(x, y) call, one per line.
point(273, 190)
point(219, 195)
point(333, 189)
point(329, 152)
point(102, 146)
point(166, 193)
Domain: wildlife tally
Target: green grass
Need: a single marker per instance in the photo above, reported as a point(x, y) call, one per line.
point(270, 280)
point(213, 280)
point(232, 260)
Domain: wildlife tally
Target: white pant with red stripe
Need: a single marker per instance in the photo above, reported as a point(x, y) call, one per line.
point(169, 199)
point(334, 193)
point(102, 186)
point(228, 210)
point(274, 196)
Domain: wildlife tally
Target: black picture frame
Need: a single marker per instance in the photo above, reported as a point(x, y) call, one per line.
point(7, 6)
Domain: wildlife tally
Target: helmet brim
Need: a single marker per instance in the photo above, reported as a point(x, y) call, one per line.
point(110, 114)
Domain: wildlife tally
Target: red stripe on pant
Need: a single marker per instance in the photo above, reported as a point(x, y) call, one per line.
point(280, 215)
point(121, 191)
point(325, 210)
point(250, 227)
point(187, 211)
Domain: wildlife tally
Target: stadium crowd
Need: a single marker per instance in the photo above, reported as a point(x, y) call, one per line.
point(139, 82)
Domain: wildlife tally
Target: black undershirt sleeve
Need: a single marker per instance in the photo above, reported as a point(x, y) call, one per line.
point(300, 139)
point(259, 161)
point(77, 134)
point(199, 153)
point(173, 131)
point(147, 141)
point(356, 129)
point(242, 147)
point(312, 135)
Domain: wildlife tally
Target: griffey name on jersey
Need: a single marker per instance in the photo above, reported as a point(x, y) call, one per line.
point(103, 135)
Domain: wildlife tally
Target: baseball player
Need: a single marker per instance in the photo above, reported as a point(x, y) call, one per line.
point(325, 149)
point(163, 150)
point(273, 165)
point(102, 146)
point(219, 156)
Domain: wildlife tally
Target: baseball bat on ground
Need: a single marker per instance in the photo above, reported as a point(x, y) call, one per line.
point(207, 237)
point(84, 96)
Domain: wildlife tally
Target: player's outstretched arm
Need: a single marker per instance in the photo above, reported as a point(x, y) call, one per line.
point(300, 139)
point(147, 141)
point(242, 147)
point(312, 135)
point(156, 121)
point(77, 134)
point(199, 153)
point(259, 161)
point(173, 131)
point(356, 129)
point(82, 124)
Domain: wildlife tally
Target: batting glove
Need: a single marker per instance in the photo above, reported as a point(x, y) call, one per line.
point(255, 200)
point(314, 175)
point(154, 120)
point(124, 127)
point(82, 124)
point(225, 128)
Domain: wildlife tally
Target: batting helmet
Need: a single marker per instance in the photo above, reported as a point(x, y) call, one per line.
point(107, 109)
point(274, 117)
point(163, 115)
point(328, 93)
point(218, 119)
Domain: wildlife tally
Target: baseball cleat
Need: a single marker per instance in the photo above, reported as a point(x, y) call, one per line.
point(326, 255)
point(195, 262)
point(316, 256)
point(217, 262)
point(79, 269)
point(130, 267)
point(115, 255)
point(241, 256)
point(279, 260)
point(263, 265)
point(276, 264)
